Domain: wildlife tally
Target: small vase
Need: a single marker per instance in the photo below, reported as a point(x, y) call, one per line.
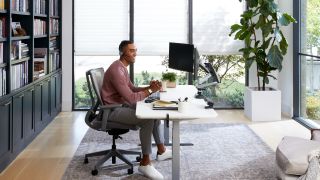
point(171, 84)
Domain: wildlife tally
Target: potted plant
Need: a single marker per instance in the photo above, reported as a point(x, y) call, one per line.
point(265, 46)
point(170, 79)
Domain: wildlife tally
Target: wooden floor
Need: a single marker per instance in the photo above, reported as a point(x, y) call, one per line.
point(47, 157)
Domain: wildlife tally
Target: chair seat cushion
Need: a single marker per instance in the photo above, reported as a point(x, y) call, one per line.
point(117, 131)
point(292, 154)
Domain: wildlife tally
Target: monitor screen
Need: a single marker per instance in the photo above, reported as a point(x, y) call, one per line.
point(181, 56)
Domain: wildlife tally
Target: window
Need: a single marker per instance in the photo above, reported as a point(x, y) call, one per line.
point(308, 63)
point(101, 25)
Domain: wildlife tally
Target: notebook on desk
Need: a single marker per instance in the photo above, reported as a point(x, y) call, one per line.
point(164, 105)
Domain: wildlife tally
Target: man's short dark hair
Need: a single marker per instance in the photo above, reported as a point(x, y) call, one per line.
point(123, 44)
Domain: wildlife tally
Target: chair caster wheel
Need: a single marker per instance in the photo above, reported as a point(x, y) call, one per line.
point(94, 172)
point(86, 161)
point(130, 171)
point(138, 158)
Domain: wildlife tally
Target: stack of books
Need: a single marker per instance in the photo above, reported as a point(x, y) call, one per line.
point(40, 62)
point(165, 105)
point(19, 50)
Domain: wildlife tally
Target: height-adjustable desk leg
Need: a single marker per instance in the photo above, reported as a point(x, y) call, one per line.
point(166, 134)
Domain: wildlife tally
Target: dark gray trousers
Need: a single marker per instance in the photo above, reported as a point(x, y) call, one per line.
point(127, 115)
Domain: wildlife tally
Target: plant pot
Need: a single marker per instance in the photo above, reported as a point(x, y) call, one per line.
point(171, 84)
point(262, 105)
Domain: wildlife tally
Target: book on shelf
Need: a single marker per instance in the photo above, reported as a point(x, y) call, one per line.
point(19, 75)
point(2, 4)
point(54, 61)
point(3, 88)
point(39, 27)
point(54, 8)
point(40, 6)
point(1, 53)
point(20, 5)
point(19, 50)
point(2, 27)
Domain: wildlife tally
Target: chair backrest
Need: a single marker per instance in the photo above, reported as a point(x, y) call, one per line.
point(94, 81)
point(99, 119)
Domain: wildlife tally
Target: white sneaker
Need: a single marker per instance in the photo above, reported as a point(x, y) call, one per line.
point(150, 172)
point(166, 155)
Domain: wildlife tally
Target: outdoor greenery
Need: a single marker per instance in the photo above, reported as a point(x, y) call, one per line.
point(81, 94)
point(313, 24)
point(265, 43)
point(230, 69)
point(313, 106)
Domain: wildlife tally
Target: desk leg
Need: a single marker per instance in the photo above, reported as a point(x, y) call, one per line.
point(176, 150)
point(166, 132)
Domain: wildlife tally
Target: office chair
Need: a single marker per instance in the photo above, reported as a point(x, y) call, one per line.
point(97, 118)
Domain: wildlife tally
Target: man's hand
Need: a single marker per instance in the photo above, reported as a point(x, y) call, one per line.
point(155, 85)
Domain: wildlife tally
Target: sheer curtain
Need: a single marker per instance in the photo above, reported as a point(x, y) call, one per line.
point(211, 26)
point(156, 23)
point(100, 25)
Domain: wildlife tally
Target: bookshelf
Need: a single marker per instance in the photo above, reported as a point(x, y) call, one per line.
point(30, 72)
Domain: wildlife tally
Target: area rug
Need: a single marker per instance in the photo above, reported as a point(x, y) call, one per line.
point(220, 151)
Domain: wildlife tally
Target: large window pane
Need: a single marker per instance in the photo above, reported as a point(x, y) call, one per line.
point(310, 27)
point(310, 88)
point(310, 61)
point(212, 20)
point(100, 26)
point(156, 23)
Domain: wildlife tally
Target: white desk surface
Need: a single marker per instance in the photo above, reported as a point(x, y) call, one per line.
point(196, 106)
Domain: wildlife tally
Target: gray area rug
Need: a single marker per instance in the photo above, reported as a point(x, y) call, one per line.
point(220, 151)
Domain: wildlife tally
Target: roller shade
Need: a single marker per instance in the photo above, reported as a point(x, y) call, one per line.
point(100, 26)
point(156, 23)
point(211, 26)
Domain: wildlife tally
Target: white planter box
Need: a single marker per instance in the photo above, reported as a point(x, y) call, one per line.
point(262, 105)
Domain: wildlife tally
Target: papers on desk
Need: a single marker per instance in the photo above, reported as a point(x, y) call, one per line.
point(164, 105)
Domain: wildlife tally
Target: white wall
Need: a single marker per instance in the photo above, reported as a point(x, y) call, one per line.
point(67, 55)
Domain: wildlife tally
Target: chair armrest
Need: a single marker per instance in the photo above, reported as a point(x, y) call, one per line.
point(315, 134)
point(111, 106)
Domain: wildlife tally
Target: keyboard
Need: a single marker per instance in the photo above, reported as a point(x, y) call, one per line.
point(155, 95)
point(152, 97)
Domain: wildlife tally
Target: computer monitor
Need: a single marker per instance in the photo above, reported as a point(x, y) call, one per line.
point(181, 56)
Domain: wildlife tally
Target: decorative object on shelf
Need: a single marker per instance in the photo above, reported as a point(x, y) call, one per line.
point(170, 79)
point(17, 30)
point(265, 44)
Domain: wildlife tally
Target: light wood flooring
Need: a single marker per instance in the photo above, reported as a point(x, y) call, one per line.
point(47, 157)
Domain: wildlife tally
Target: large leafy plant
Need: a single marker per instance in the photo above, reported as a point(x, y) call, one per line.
point(265, 43)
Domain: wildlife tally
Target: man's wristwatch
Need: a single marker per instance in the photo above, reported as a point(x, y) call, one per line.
point(150, 91)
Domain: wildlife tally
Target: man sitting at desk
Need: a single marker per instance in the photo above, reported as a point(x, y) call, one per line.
point(118, 89)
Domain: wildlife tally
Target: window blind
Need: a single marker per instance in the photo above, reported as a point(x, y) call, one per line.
point(156, 23)
point(100, 26)
point(212, 20)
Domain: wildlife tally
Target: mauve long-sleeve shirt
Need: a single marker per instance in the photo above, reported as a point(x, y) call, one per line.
point(117, 87)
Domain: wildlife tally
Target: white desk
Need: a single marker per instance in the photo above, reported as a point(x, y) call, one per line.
point(197, 110)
